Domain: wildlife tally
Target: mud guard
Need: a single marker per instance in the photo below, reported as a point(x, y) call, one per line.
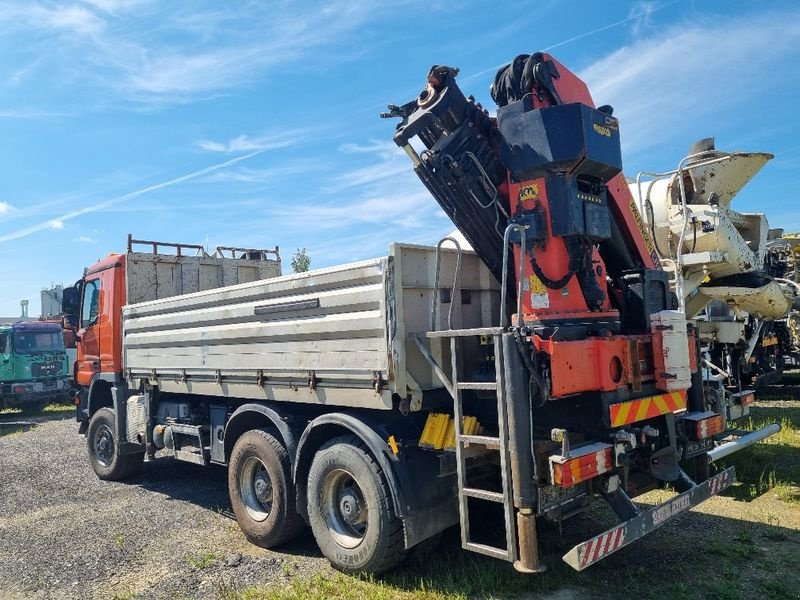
point(424, 499)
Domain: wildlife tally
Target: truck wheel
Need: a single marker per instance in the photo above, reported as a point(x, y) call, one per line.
point(104, 455)
point(350, 509)
point(261, 490)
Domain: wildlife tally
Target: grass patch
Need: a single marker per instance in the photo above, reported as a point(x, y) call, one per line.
point(334, 587)
point(202, 561)
point(15, 427)
point(788, 493)
point(59, 408)
point(772, 463)
point(50, 410)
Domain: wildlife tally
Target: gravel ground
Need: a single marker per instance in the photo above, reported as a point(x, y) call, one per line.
point(169, 532)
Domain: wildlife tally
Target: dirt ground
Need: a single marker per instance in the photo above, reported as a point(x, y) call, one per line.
point(170, 533)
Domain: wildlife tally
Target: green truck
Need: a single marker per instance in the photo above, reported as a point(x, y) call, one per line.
point(34, 369)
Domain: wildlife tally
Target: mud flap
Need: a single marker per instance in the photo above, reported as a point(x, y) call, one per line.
point(593, 550)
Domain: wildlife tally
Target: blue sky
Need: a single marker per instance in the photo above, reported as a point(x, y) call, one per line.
point(256, 123)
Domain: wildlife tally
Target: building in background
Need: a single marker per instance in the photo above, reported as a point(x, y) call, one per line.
point(51, 301)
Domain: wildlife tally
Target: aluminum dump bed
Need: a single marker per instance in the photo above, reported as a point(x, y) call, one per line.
point(340, 336)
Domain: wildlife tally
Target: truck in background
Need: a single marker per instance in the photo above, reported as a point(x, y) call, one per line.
point(717, 260)
point(34, 369)
point(383, 401)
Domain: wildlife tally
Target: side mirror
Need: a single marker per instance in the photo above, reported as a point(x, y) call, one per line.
point(71, 300)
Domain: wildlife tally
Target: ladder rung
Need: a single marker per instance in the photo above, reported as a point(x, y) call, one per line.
point(477, 385)
point(481, 440)
point(487, 550)
point(484, 495)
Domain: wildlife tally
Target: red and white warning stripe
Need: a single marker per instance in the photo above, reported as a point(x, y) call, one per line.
point(596, 548)
point(718, 483)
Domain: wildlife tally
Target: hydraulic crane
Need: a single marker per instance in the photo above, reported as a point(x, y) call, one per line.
point(603, 392)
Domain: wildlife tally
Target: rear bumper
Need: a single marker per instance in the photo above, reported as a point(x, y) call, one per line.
point(599, 547)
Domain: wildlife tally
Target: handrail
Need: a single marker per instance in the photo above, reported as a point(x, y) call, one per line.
point(179, 247)
point(456, 279)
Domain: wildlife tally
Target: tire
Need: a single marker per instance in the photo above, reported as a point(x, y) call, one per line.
point(261, 490)
point(350, 509)
point(104, 454)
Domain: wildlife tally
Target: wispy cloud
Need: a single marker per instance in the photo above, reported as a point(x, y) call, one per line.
point(692, 69)
point(85, 239)
point(389, 161)
point(28, 113)
point(245, 143)
point(53, 223)
point(5, 208)
point(248, 175)
point(639, 15)
point(165, 53)
point(68, 18)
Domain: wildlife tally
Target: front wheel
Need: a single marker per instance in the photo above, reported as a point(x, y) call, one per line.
point(104, 453)
point(350, 509)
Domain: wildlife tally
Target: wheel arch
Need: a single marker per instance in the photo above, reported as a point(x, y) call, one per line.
point(99, 395)
point(332, 425)
point(257, 416)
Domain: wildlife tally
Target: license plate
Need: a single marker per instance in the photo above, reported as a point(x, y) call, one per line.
point(695, 448)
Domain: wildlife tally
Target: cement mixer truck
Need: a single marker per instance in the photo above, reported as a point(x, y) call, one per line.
point(717, 261)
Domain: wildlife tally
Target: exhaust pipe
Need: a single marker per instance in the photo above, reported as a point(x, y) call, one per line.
point(729, 448)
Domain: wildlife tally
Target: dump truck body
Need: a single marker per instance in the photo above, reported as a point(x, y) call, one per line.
point(332, 337)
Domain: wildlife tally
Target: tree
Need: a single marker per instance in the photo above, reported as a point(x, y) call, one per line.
point(301, 261)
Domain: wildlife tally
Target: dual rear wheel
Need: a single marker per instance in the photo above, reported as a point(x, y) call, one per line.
point(349, 504)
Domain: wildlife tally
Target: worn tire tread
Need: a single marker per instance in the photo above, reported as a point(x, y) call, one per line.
point(292, 523)
point(395, 551)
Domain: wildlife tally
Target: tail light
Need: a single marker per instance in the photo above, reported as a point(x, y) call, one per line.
point(582, 463)
point(707, 427)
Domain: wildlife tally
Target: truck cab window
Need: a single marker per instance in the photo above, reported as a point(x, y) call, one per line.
point(91, 303)
point(3, 343)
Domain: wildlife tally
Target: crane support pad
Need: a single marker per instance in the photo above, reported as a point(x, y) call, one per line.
point(633, 411)
point(599, 547)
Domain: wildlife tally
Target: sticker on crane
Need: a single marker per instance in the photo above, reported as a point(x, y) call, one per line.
point(648, 241)
point(539, 296)
point(528, 193)
point(624, 413)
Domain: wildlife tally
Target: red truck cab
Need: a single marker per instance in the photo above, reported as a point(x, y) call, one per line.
point(100, 320)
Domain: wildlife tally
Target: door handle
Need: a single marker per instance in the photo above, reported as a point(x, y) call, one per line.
point(96, 364)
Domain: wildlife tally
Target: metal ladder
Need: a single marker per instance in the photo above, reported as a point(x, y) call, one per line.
point(498, 444)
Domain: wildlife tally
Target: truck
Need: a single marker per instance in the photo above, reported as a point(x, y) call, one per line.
point(782, 348)
point(34, 370)
point(724, 267)
point(382, 401)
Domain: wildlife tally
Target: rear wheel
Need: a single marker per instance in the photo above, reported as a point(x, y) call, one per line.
point(104, 453)
point(350, 509)
point(261, 490)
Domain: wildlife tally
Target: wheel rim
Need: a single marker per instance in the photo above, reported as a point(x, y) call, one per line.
point(256, 488)
point(344, 508)
point(104, 445)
